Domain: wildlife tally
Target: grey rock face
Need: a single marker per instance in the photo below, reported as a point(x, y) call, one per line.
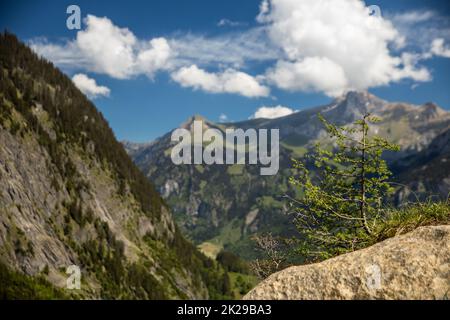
point(412, 266)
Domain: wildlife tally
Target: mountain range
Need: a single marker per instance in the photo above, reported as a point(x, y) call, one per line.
point(136, 225)
point(222, 206)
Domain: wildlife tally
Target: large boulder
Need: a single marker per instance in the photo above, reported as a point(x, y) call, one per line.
point(411, 266)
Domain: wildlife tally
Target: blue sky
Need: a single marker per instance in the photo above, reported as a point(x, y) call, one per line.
point(177, 59)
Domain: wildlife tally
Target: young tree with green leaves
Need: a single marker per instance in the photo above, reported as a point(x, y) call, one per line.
point(341, 190)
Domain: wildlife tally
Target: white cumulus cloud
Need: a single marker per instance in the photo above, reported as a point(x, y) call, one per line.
point(105, 48)
point(154, 57)
point(439, 49)
point(89, 86)
point(110, 48)
point(228, 81)
point(333, 46)
point(272, 112)
point(310, 74)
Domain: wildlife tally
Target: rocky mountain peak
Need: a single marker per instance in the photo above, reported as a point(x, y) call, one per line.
point(355, 104)
point(191, 119)
point(430, 110)
point(189, 123)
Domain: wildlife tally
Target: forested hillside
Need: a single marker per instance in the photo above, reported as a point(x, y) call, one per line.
point(70, 195)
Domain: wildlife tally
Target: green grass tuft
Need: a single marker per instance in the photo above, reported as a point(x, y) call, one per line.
point(402, 220)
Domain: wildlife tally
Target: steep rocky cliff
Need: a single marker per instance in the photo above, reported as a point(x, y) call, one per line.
point(69, 195)
point(412, 266)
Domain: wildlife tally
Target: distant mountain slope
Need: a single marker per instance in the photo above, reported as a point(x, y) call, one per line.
point(428, 170)
point(132, 147)
point(225, 205)
point(70, 195)
point(220, 203)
